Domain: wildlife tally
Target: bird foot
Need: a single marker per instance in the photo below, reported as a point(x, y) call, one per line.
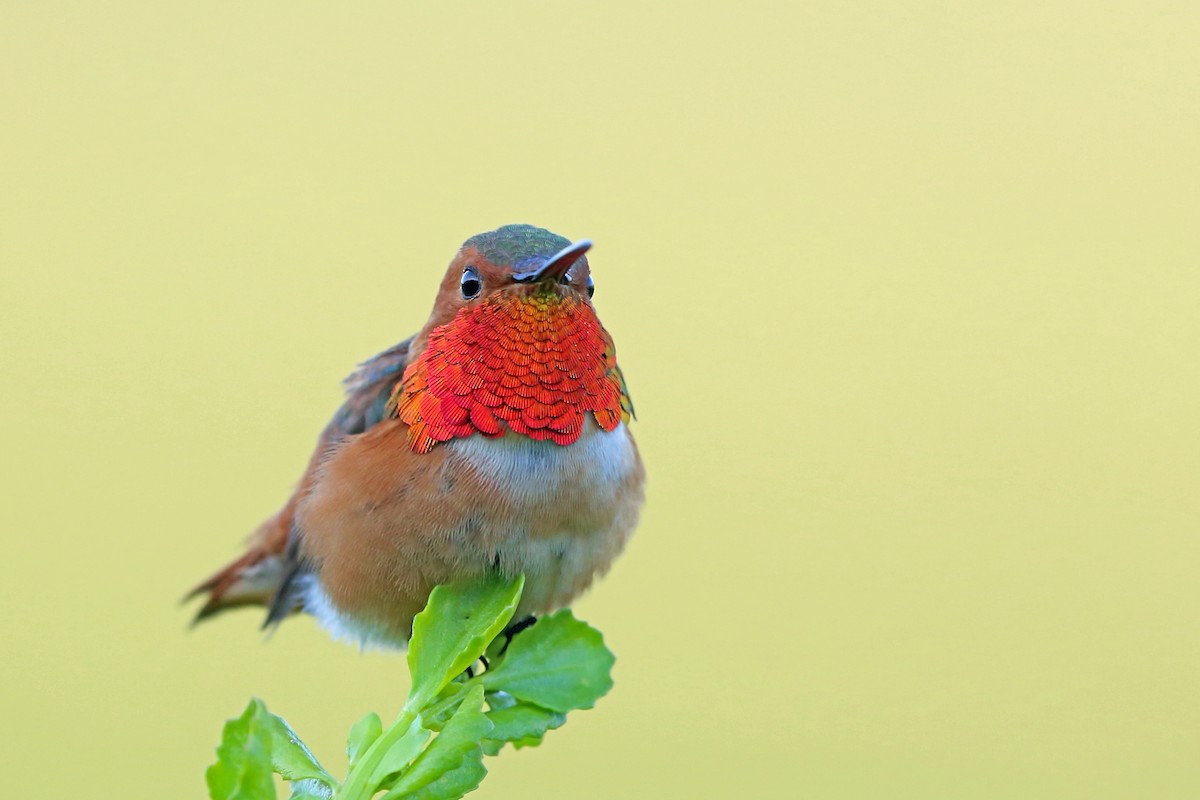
point(512, 630)
point(470, 671)
point(493, 653)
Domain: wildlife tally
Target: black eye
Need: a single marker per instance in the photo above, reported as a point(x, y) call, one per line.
point(591, 286)
point(470, 284)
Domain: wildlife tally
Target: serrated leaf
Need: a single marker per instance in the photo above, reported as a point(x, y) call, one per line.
point(290, 757)
point(457, 625)
point(522, 724)
point(559, 663)
point(456, 746)
point(363, 735)
point(402, 753)
point(243, 767)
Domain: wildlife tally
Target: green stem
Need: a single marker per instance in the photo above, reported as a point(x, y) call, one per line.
point(358, 784)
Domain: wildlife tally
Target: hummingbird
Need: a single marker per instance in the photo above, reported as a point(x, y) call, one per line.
point(494, 441)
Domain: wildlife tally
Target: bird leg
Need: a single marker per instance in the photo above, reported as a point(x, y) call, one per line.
point(470, 670)
point(512, 630)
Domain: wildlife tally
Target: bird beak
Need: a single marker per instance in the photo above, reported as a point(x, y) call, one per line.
point(557, 265)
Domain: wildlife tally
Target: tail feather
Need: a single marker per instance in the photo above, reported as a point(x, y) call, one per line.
point(252, 580)
point(255, 578)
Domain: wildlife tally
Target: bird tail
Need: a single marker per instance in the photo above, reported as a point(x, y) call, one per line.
point(252, 580)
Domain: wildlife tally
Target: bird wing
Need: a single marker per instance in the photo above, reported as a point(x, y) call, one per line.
point(265, 574)
point(368, 389)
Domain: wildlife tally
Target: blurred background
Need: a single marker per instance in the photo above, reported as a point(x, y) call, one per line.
point(906, 294)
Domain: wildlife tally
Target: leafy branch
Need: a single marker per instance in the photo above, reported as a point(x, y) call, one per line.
point(452, 718)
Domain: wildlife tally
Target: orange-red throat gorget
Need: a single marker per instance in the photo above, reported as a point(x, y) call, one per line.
point(532, 359)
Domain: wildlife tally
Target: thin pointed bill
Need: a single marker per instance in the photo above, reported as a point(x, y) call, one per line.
point(557, 265)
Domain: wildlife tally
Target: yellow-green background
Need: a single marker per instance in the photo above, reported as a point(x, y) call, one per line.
point(906, 294)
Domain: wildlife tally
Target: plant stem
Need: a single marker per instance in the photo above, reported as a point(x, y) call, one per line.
point(358, 784)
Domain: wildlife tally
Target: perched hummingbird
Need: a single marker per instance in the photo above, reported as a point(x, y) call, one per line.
point(494, 440)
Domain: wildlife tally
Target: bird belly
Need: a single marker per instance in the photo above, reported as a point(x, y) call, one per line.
point(472, 506)
point(562, 514)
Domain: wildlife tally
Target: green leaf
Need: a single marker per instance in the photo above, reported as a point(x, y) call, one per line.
point(289, 756)
point(439, 710)
point(456, 626)
point(456, 747)
point(559, 663)
point(451, 785)
point(522, 724)
point(363, 735)
point(310, 790)
point(498, 700)
point(401, 753)
point(243, 767)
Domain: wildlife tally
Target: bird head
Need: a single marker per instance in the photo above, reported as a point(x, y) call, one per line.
point(513, 344)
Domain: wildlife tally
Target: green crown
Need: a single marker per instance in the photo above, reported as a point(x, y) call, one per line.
point(513, 243)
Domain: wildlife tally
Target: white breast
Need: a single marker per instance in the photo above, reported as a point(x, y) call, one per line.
point(595, 480)
point(544, 469)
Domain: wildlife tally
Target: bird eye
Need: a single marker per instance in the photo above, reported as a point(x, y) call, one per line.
point(470, 284)
point(591, 286)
